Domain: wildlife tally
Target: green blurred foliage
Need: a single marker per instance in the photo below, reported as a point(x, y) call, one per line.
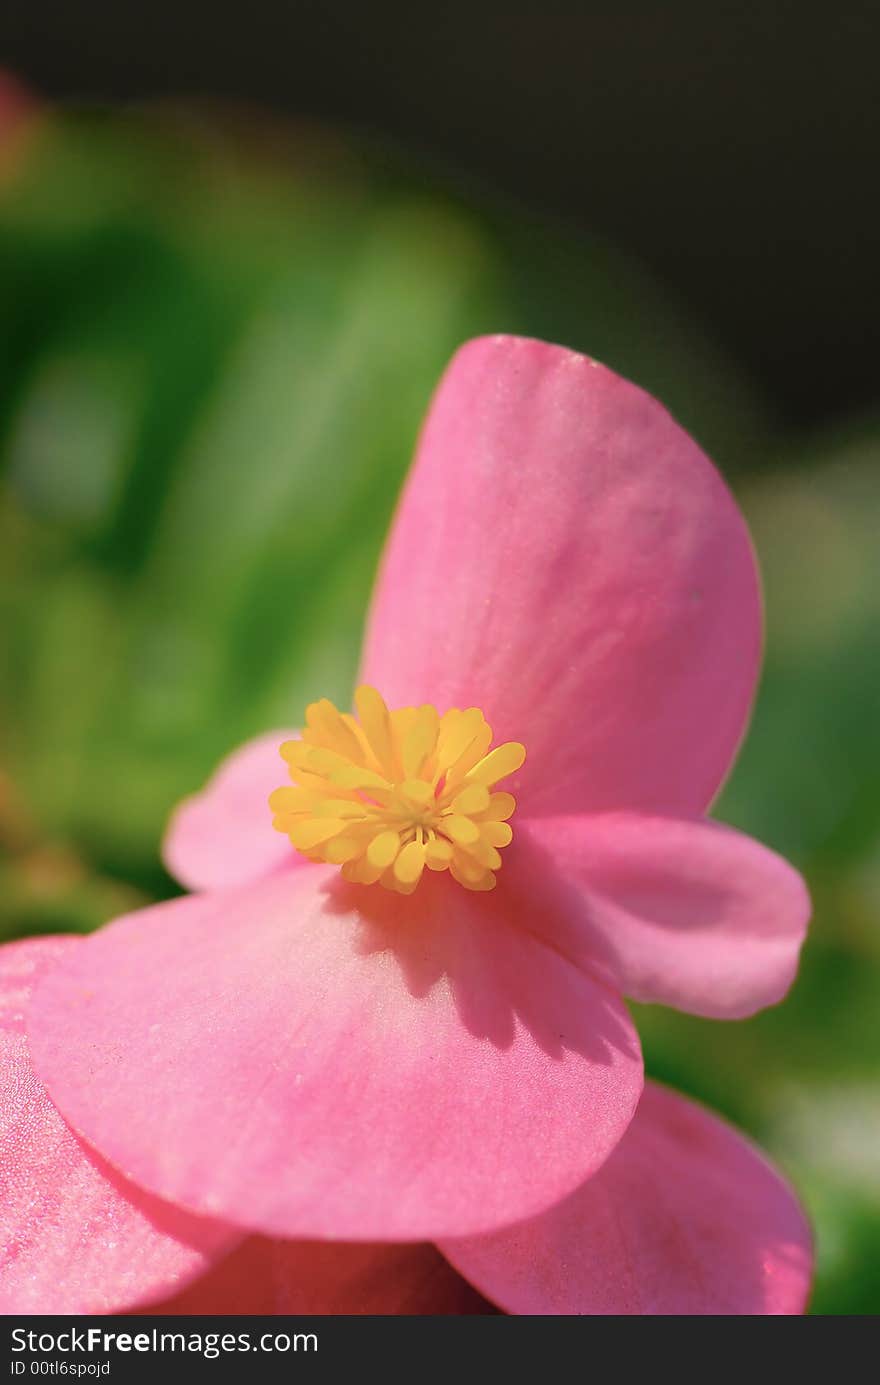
point(216, 348)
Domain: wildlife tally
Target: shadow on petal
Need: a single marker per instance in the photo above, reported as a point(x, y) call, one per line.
point(333, 1061)
point(481, 948)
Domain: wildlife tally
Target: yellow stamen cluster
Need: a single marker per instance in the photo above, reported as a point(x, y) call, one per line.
point(385, 794)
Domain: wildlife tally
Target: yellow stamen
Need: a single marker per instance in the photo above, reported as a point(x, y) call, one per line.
point(388, 794)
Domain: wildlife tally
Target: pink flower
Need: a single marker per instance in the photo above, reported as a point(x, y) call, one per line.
point(683, 1218)
point(74, 1236)
point(308, 1055)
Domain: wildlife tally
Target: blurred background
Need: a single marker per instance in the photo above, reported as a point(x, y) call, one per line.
point(235, 254)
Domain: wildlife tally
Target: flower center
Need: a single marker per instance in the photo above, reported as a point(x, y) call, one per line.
point(385, 794)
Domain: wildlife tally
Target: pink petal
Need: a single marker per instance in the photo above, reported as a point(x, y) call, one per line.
point(315, 1059)
point(690, 914)
point(323, 1277)
point(685, 1219)
point(223, 836)
point(74, 1236)
point(566, 558)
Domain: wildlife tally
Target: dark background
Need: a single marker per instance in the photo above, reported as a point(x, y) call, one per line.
point(735, 149)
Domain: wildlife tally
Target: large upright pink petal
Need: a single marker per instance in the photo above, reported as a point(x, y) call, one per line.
point(685, 1219)
point(566, 558)
point(325, 1277)
point(315, 1059)
point(690, 914)
point(222, 836)
point(74, 1237)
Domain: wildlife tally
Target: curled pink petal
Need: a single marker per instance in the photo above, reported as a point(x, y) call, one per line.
point(566, 558)
point(222, 836)
point(685, 1219)
point(325, 1277)
point(74, 1236)
point(310, 1058)
point(690, 914)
